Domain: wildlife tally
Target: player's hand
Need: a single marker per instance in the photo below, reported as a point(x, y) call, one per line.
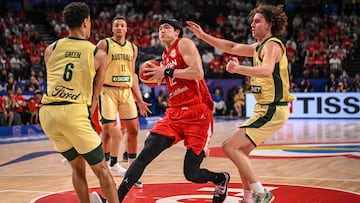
point(195, 28)
point(144, 108)
point(232, 65)
point(156, 72)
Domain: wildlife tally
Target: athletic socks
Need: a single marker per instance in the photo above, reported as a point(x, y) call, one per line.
point(248, 196)
point(107, 156)
point(257, 187)
point(113, 160)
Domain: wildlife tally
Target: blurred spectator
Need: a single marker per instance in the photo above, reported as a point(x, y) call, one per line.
point(239, 102)
point(335, 64)
point(340, 87)
point(14, 118)
point(21, 106)
point(33, 84)
point(306, 85)
point(355, 87)
point(207, 57)
point(3, 76)
point(16, 66)
point(11, 83)
point(293, 86)
point(345, 84)
point(3, 112)
point(331, 84)
point(34, 112)
point(216, 68)
point(219, 103)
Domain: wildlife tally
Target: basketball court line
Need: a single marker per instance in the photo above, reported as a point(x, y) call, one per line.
point(181, 175)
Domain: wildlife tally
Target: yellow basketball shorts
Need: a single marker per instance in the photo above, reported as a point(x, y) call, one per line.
point(267, 120)
point(117, 99)
point(69, 126)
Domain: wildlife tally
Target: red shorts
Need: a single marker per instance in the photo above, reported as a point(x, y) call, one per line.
point(95, 120)
point(193, 124)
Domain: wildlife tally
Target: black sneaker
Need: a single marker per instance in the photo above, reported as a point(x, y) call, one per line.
point(220, 192)
point(97, 198)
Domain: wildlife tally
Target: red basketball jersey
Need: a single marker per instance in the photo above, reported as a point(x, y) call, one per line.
point(184, 92)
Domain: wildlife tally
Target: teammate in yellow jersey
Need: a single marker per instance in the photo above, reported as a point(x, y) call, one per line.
point(121, 86)
point(75, 75)
point(269, 85)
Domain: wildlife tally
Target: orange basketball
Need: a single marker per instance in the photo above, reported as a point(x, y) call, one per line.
point(145, 79)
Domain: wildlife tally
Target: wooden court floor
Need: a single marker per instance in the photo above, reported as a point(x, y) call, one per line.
point(40, 171)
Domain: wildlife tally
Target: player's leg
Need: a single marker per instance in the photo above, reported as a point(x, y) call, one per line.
point(124, 138)
point(234, 148)
point(197, 136)
point(154, 145)
point(132, 129)
point(248, 192)
point(98, 165)
point(194, 173)
point(79, 178)
point(111, 133)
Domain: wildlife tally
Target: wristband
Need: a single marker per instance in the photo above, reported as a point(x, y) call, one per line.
point(169, 72)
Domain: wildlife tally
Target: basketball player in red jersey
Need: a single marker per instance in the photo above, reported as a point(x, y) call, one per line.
point(188, 117)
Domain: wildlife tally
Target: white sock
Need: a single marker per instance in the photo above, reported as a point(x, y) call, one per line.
point(248, 197)
point(257, 187)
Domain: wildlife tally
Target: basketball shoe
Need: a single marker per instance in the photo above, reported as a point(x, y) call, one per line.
point(220, 192)
point(97, 198)
point(125, 157)
point(138, 184)
point(117, 170)
point(265, 197)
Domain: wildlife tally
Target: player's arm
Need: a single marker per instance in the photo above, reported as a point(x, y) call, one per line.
point(270, 54)
point(48, 51)
point(102, 44)
point(222, 44)
point(100, 65)
point(192, 58)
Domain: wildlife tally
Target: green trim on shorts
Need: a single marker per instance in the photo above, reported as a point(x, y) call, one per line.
point(95, 156)
point(70, 154)
point(105, 121)
point(263, 120)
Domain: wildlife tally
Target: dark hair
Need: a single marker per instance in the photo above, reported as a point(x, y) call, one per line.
point(75, 13)
point(118, 18)
point(274, 15)
point(173, 22)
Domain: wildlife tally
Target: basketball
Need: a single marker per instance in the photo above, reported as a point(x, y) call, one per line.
point(145, 79)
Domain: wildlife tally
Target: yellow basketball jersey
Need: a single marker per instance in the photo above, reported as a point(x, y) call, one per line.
point(275, 88)
point(70, 72)
point(120, 70)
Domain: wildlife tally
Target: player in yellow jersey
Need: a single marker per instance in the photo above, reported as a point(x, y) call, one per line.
point(75, 75)
point(120, 87)
point(269, 85)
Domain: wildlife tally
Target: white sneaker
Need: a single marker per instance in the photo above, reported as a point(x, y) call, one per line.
point(96, 198)
point(117, 170)
point(138, 184)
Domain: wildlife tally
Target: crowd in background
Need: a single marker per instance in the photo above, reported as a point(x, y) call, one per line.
point(319, 45)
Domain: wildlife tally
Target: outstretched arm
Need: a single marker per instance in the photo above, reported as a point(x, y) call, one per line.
point(222, 44)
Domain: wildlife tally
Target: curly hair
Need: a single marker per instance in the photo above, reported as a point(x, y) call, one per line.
point(75, 13)
point(274, 15)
